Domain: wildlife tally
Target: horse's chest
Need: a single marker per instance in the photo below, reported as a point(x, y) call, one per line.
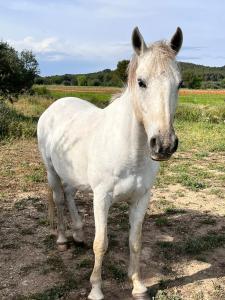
point(126, 186)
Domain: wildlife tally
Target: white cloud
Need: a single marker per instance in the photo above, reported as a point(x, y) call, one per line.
point(54, 49)
point(42, 46)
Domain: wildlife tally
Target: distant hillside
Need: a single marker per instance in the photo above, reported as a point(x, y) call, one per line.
point(194, 76)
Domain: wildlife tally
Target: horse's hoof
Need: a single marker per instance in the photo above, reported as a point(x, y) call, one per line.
point(95, 294)
point(62, 247)
point(141, 296)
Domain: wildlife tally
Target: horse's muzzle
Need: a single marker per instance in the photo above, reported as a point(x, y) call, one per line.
point(163, 147)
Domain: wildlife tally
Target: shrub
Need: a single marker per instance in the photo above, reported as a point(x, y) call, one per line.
point(17, 71)
point(41, 91)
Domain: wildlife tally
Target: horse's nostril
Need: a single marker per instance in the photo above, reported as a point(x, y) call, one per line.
point(161, 150)
point(153, 142)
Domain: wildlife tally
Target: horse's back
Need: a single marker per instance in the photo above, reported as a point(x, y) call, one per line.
point(68, 106)
point(63, 123)
point(61, 111)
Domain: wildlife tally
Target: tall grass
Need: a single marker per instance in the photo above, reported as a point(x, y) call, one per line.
point(200, 113)
point(14, 124)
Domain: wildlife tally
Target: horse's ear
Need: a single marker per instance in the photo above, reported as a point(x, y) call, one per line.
point(177, 40)
point(138, 42)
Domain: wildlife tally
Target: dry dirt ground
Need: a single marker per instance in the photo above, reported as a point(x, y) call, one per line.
point(183, 255)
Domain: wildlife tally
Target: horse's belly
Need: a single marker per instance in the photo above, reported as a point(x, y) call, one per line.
point(71, 166)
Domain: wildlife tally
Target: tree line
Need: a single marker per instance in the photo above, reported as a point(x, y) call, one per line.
point(194, 77)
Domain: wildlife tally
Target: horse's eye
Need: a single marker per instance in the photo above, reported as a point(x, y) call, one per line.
point(180, 85)
point(142, 84)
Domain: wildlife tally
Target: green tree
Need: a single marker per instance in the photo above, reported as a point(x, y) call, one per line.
point(121, 70)
point(82, 80)
point(17, 71)
point(191, 80)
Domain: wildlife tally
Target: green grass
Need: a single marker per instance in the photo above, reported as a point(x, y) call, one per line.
point(218, 192)
point(185, 174)
point(21, 204)
point(99, 99)
point(202, 154)
point(191, 182)
point(85, 263)
point(37, 175)
point(164, 295)
point(192, 246)
point(162, 221)
point(117, 272)
point(201, 136)
point(205, 113)
point(174, 211)
point(203, 99)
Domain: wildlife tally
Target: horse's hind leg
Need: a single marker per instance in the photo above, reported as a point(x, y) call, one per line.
point(58, 197)
point(77, 224)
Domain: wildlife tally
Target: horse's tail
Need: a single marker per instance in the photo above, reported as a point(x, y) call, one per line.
point(51, 209)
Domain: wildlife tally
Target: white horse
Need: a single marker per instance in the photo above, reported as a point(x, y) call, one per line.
point(114, 151)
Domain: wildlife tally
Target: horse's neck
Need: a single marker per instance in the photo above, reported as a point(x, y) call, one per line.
point(127, 124)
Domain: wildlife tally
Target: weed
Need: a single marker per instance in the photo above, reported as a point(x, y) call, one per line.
point(162, 221)
point(85, 263)
point(192, 246)
point(117, 272)
point(202, 154)
point(21, 204)
point(180, 194)
point(191, 182)
point(164, 295)
point(43, 222)
point(173, 211)
point(218, 192)
point(37, 176)
point(49, 242)
point(208, 221)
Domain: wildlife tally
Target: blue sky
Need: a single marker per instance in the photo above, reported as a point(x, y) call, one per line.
point(85, 36)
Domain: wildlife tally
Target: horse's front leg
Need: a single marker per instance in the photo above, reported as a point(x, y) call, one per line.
point(136, 217)
point(101, 208)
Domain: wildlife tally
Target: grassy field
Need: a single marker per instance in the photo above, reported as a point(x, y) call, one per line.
point(183, 236)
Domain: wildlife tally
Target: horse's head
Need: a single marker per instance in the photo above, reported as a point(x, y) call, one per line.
point(154, 80)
